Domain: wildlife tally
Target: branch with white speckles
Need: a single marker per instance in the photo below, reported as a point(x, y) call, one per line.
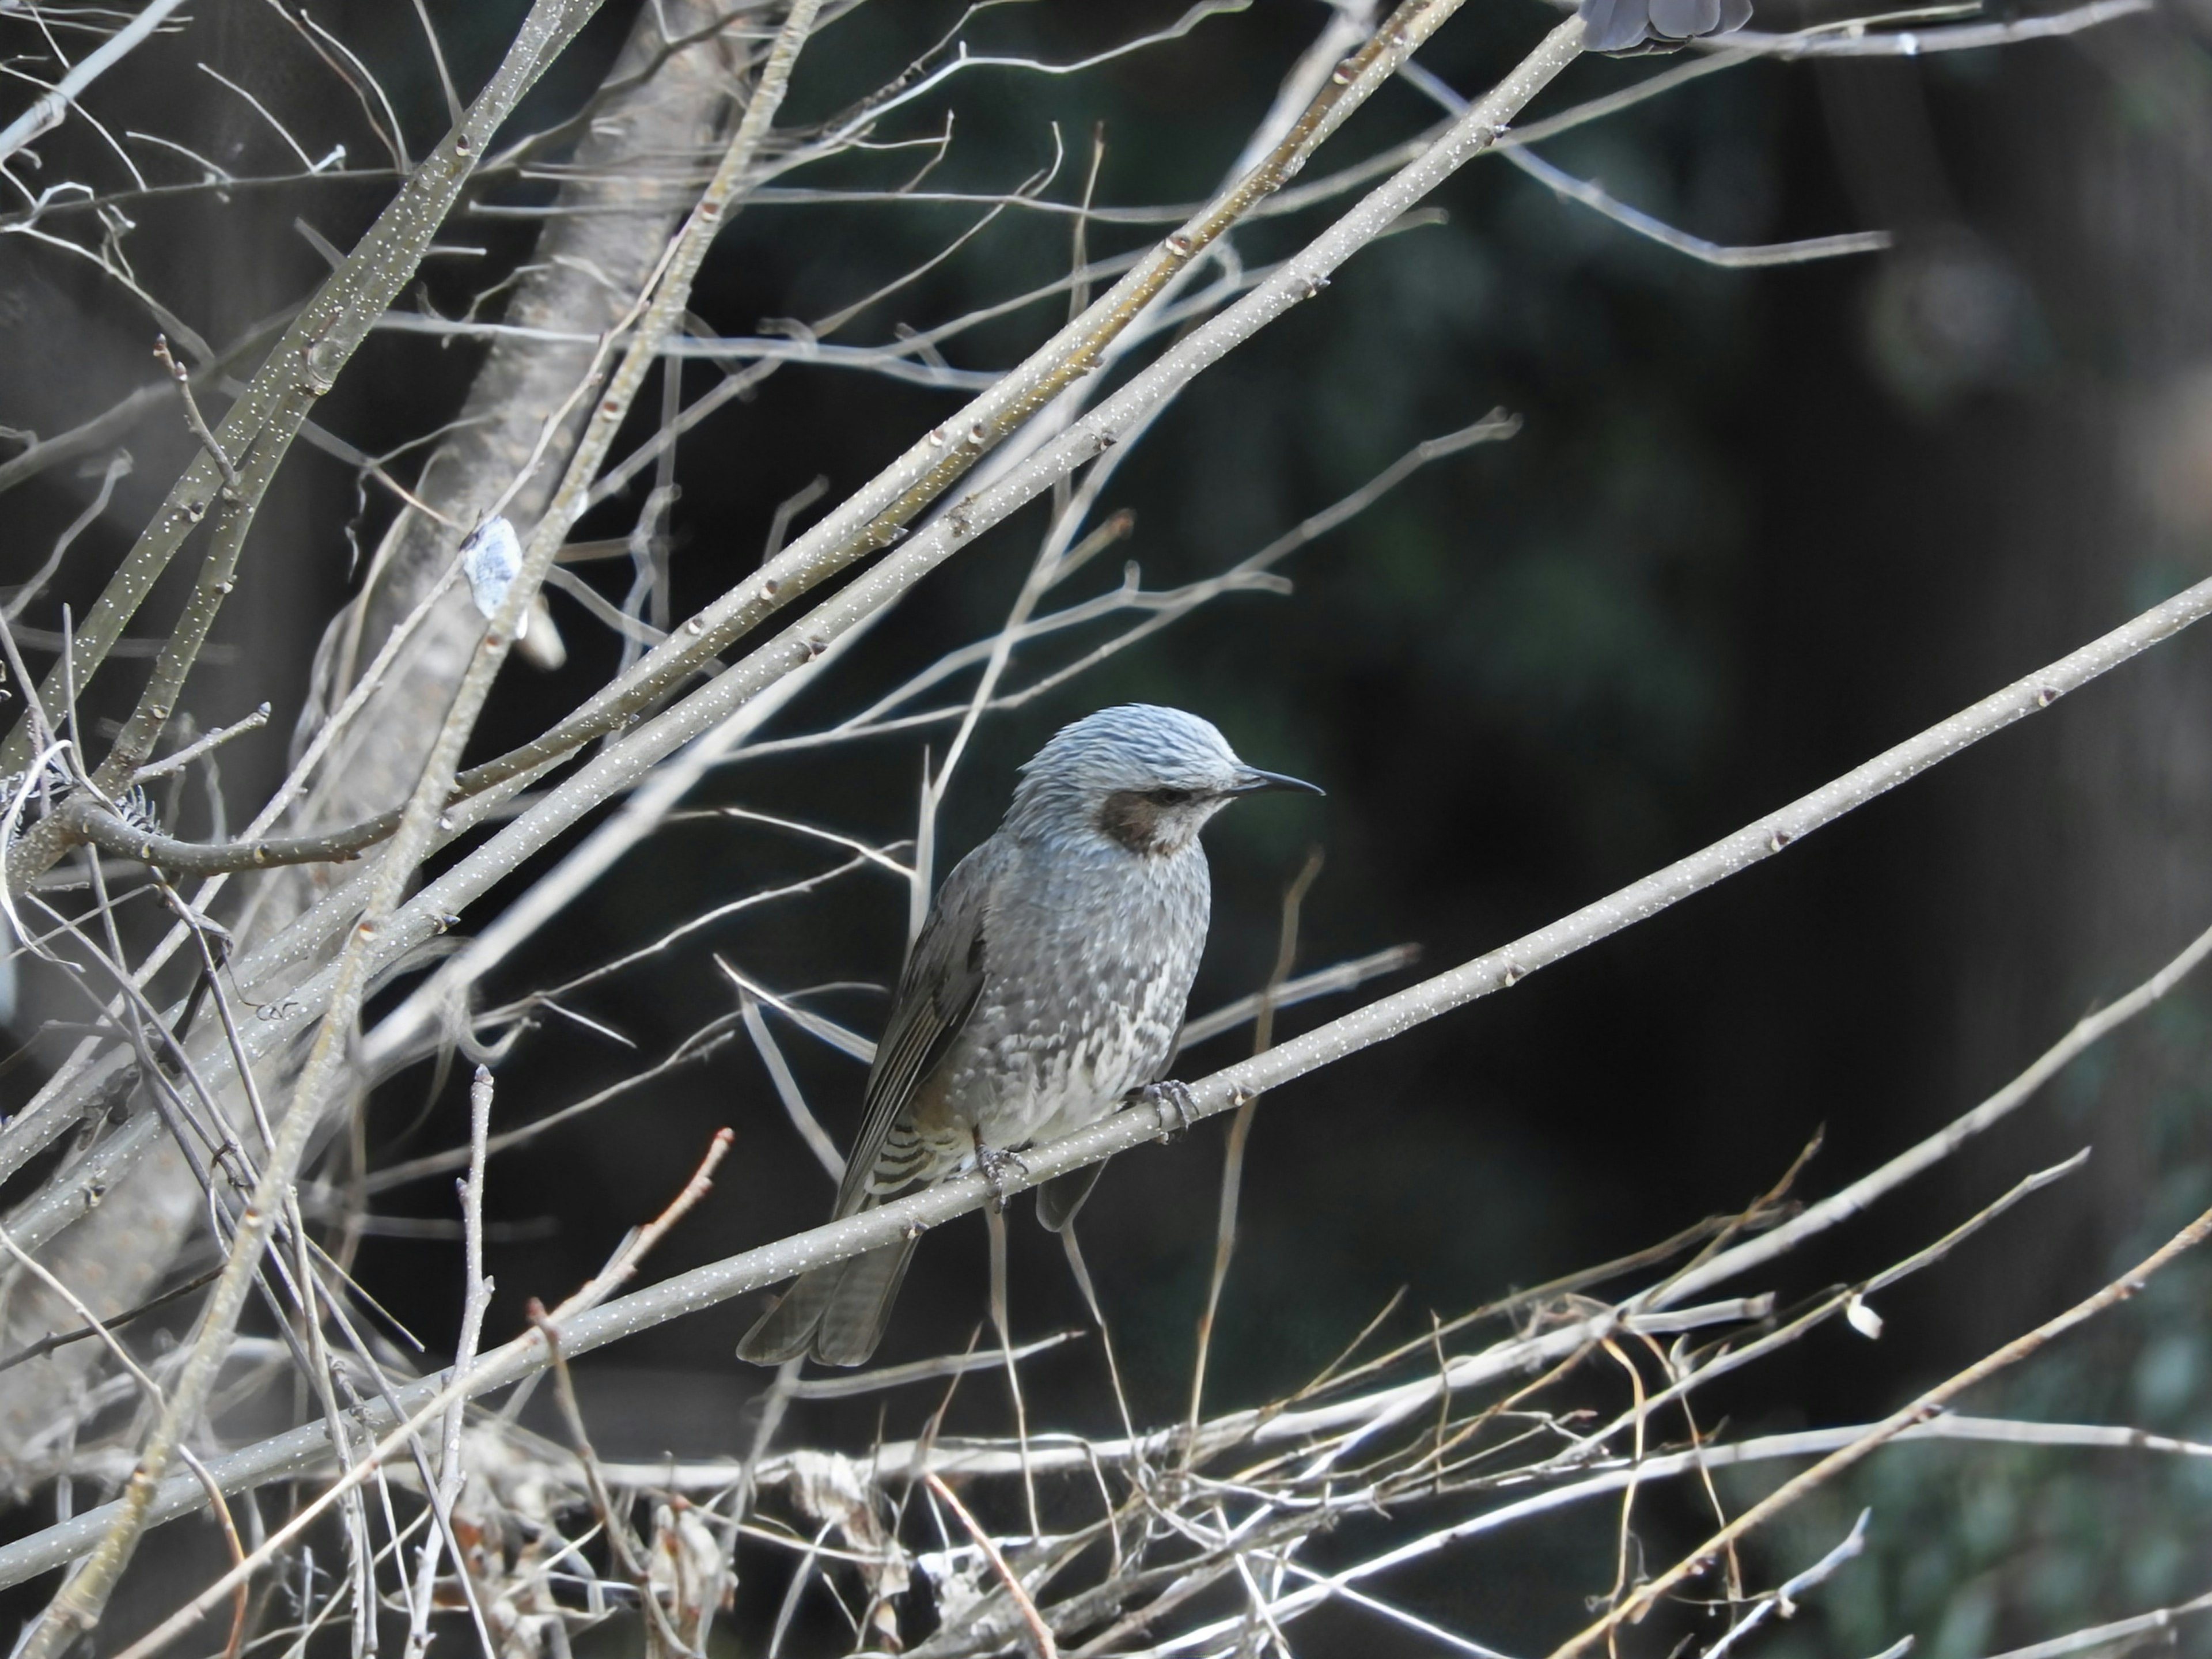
point(301, 1449)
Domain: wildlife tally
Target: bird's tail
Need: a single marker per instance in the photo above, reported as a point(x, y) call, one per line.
point(837, 1313)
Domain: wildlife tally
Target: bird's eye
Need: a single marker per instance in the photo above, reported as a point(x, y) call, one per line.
point(1167, 797)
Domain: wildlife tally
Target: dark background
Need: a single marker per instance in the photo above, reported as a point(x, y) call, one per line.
point(1758, 525)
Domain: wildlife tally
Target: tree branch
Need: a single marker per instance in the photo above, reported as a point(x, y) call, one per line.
point(1640, 1601)
point(87, 819)
point(292, 1453)
point(262, 424)
point(877, 515)
point(325, 336)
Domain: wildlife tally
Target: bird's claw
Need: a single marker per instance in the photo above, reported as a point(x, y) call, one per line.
point(994, 1163)
point(1167, 1097)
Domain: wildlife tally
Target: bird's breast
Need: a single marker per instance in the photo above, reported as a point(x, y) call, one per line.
point(1088, 964)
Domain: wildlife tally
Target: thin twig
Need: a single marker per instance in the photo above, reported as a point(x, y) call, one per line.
point(47, 111)
point(1239, 1130)
point(119, 467)
point(1039, 1632)
point(1833, 42)
point(1783, 1599)
point(46, 1345)
point(995, 1220)
point(193, 419)
point(620, 1543)
point(787, 1086)
point(1854, 1198)
point(475, 1300)
point(2108, 1635)
point(191, 751)
point(1634, 1606)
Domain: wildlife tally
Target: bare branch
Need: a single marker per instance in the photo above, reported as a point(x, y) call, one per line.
point(1635, 1605)
point(260, 425)
point(1855, 42)
point(49, 111)
point(1124, 1131)
point(326, 336)
point(2113, 1635)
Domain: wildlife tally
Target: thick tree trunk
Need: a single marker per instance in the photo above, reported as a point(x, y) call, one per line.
point(637, 178)
point(2065, 485)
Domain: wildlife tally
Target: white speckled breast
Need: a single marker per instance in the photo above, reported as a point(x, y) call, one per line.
point(1088, 955)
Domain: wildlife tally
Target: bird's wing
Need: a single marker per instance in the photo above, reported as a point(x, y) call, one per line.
point(937, 993)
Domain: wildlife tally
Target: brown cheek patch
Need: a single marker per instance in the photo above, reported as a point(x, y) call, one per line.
point(1127, 817)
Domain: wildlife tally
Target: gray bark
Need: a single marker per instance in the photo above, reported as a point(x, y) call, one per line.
point(639, 157)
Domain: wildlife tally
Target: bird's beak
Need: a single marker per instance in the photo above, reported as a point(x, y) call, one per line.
point(1255, 782)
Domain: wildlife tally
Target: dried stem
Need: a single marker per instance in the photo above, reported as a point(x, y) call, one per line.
point(718, 1282)
point(1039, 1632)
point(1635, 1606)
point(476, 1295)
point(326, 333)
point(1240, 1126)
point(194, 420)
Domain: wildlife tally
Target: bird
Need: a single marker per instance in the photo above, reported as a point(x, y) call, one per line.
point(1046, 986)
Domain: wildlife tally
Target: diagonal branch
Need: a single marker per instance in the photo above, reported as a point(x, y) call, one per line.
point(262, 424)
point(876, 517)
point(1635, 1606)
point(707, 1286)
point(726, 705)
point(326, 332)
point(48, 111)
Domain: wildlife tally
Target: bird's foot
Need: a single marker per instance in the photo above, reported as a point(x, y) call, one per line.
point(995, 1164)
point(1167, 1098)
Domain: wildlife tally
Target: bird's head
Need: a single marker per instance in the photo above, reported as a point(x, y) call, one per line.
point(1143, 777)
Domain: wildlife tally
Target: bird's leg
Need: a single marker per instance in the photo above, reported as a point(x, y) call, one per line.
point(1163, 1097)
point(993, 1163)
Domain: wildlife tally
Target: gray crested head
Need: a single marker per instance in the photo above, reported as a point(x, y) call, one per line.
point(1140, 776)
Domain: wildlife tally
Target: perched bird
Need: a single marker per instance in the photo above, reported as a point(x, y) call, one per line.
point(1047, 984)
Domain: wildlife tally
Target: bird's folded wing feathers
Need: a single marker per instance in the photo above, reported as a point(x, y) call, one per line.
point(938, 991)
